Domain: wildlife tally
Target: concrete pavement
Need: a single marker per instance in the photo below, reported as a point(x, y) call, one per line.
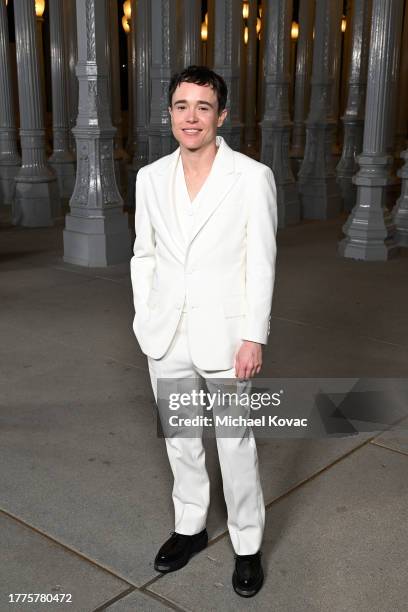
point(85, 486)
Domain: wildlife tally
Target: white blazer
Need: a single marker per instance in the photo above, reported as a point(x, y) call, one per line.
point(226, 272)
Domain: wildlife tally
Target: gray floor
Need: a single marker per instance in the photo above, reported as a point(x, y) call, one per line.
point(85, 486)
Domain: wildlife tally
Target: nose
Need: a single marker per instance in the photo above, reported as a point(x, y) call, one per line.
point(191, 115)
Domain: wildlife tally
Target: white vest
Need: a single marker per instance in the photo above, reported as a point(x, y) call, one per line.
point(185, 209)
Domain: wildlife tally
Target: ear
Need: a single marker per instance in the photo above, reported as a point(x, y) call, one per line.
point(221, 117)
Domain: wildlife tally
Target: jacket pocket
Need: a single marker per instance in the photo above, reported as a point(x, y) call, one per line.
point(234, 306)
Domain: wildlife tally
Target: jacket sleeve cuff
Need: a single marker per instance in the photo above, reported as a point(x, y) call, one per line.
point(257, 333)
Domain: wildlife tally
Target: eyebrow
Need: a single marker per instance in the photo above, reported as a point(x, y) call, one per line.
point(198, 102)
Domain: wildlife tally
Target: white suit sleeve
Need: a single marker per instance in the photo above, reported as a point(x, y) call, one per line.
point(143, 262)
point(260, 255)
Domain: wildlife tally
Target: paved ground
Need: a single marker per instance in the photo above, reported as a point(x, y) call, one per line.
point(85, 484)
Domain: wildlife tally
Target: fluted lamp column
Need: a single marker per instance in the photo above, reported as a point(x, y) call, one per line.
point(189, 24)
point(276, 124)
point(141, 46)
point(227, 41)
point(209, 33)
point(96, 231)
point(163, 62)
point(250, 83)
point(369, 230)
point(303, 72)
point(9, 157)
point(62, 160)
point(337, 52)
point(130, 77)
point(39, 23)
point(71, 50)
point(119, 154)
point(353, 118)
point(320, 194)
point(36, 199)
point(400, 210)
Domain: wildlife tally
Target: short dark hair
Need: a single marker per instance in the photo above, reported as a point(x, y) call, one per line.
point(201, 75)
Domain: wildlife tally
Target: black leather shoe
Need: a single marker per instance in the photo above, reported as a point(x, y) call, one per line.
point(177, 551)
point(248, 576)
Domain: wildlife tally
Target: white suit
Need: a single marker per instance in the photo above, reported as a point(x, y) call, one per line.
point(222, 277)
point(227, 271)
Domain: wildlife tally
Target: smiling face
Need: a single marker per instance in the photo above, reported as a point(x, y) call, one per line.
point(194, 115)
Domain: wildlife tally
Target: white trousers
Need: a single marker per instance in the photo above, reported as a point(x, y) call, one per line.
point(237, 456)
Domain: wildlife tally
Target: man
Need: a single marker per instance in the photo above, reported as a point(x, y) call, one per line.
point(202, 273)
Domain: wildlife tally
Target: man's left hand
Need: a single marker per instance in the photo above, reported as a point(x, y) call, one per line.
point(248, 360)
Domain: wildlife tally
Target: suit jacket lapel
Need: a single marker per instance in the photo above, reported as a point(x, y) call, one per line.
point(220, 181)
point(163, 185)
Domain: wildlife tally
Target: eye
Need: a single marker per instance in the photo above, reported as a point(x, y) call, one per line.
point(180, 107)
point(203, 108)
